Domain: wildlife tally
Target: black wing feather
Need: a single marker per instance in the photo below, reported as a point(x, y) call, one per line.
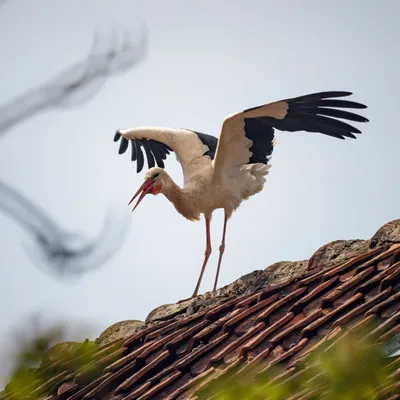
point(140, 157)
point(338, 103)
point(312, 113)
point(311, 123)
point(262, 136)
point(310, 108)
point(133, 149)
point(123, 145)
point(210, 141)
point(155, 151)
point(321, 95)
point(117, 136)
point(150, 158)
point(159, 154)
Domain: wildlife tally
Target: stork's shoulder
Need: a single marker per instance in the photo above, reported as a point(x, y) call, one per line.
point(232, 118)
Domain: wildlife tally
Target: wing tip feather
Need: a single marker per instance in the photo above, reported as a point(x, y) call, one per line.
point(117, 136)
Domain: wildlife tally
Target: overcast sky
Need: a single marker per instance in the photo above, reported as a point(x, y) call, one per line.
point(205, 60)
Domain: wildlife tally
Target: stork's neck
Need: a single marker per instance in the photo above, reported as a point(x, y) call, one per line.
point(182, 199)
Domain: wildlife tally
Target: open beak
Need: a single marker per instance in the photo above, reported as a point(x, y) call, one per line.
point(146, 188)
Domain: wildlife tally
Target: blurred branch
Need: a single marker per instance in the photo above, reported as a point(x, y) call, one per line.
point(69, 252)
point(109, 56)
point(64, 252)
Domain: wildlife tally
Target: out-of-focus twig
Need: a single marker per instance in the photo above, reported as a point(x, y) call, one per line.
point(111, 54)
point(64, 252)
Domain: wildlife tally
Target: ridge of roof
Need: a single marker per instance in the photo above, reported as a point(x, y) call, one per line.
point(201, 339)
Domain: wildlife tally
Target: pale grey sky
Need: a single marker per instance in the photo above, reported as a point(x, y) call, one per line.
point(206, 59)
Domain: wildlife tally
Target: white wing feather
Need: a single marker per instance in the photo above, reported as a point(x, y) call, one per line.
point(233, 146)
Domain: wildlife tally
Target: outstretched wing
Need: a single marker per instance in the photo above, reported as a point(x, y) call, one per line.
point(159, 142)
point(248, 136)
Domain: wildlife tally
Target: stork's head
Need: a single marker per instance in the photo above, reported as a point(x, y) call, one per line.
point(153, 183)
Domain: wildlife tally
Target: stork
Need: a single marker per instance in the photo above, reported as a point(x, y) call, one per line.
point(221, 173)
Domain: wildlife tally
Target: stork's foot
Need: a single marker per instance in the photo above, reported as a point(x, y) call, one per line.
point(194, 295)
point(184, 300)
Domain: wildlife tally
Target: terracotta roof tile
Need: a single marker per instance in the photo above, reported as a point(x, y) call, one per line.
point(298, 322)
point(191, 383)
point(67, 387)
point(141, 372)
point(384, 326)
point(186, 321)
point(276, 325)
point(270, 290)
point(157, 344)
point(386, 303)
point(287, 354)
point(50, 383)
point(248, 311)
point(159, 386)
point(329, 315)
point(341, 269)
point(363, 307)
point(86, 389)
point(279, 303)
point(389, 390)
point(159, 332)
point(232, 303)
point(268, 331)
point(235, 344)
point(248, 300)
point(199, 351)
point(391, 279)
point(349, 284)
point(189, 333)
point(126, 359)
point(138, 392)
point(389, 334)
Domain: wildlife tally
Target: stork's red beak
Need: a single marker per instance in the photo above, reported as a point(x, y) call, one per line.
point(146, 188)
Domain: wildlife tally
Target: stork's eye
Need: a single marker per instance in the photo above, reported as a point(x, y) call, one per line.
point(155, 176)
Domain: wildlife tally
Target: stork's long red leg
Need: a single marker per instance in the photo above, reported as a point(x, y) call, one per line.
point(221, 252)
point(206, 255)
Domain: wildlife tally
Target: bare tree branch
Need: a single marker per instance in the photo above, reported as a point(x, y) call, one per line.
point(76, 85)
point(64, 252)
point(2, 2)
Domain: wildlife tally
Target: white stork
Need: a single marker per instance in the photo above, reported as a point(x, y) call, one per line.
point(221, 173)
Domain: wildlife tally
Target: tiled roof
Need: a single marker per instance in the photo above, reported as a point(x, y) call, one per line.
point(277, 323)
